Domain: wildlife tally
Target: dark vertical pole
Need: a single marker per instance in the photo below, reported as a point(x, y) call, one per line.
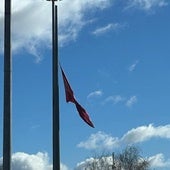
point(113, 159)
point(7, 88)
point(56, 126)
point(55, 89)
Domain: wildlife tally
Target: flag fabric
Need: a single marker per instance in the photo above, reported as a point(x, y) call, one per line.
point(83, 114)
point(70, 98)
point(68, 91)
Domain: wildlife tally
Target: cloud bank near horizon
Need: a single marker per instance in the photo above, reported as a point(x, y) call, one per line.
point(156, 161)
point(102, 141)
point(25, 161)
point(21, 160)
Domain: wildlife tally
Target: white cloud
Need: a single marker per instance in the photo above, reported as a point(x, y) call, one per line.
point(109, 27)
point(63, 167)
point(114, 99)
point(132, 100)
point(107, 160)
point(95, 93)
point(144, 133)
point(99, 141)
point(84, 164)
point(146, 4)
point(103, 141)
point(39, 161)
point(30, 26)
point(158, 161)
point(31, 22)
point(133, 66)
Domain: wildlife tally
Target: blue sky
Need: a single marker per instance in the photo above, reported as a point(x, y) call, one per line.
point(116, 56)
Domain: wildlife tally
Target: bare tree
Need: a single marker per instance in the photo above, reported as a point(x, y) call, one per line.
point(128, 159)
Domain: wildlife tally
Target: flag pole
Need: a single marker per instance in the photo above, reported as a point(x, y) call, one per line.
point(7, 88)
point(56, 116)
point(55, 88)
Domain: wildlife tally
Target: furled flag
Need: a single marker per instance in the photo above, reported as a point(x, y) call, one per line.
point(70, 98)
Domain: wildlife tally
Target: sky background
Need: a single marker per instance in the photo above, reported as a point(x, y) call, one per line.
point(116, 56)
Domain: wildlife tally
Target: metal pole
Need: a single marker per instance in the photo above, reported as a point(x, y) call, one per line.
point(7, 88)
point(56, 117)
point(113, 159)
point(55, 86)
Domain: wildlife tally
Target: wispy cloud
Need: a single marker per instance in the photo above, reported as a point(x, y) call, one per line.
point(31, 22)
point(114, 99)
point(33, 127)
point(103, 141)
point(109, 27)
point(133, 66)
point(132, 100)
point(71, 17)
point(96, 93)
point(146, 4)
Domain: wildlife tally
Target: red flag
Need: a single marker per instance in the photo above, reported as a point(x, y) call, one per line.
point(83, 114)
point(68, 91)
point(70, 98)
